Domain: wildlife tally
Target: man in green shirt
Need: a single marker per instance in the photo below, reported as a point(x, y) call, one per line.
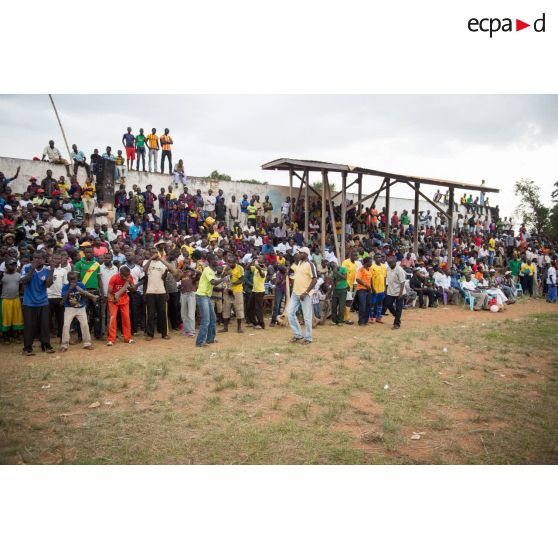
point(339, 296)
point(208, 279)
point(140, 149)
point(89, 274)
point(514, 265)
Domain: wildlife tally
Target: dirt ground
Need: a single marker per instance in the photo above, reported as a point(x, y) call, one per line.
point(451, 386)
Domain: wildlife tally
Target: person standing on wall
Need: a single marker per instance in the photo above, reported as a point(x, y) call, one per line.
point(153, 145)
point(166, 142)
point(129, 142)
point(140, 149)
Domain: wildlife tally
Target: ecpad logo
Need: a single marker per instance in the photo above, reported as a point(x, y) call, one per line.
point(493, 25)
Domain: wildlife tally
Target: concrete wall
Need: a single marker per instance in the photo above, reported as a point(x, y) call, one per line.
point(277, 194)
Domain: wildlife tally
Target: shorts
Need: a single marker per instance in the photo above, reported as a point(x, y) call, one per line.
point(238, 301)
point(131, 153)
point(12, 315)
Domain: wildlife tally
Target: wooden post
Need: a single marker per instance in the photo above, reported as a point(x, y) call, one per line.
point(290, 195)
point(61, 128)
point(332, 217)
point(450, 229)
point(343, 215)
point(416, 220)
point(304, 185)
point(323, 224)
point(387, 214)
point(359, 194)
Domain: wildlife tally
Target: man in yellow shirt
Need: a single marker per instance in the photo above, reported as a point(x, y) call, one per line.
point(234, 295)
point(258, 292)
point(351, 266)
point(305, 278)
point(379, 272)
point(88, 199)
point(153, 145)
point(166, 142)
point(204, 304)
point(527, 274)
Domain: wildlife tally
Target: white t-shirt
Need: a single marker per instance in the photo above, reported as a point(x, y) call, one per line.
point(59, 279)
point(209, 203)
point(137, 274)
point(155, 273)
point(106, 273)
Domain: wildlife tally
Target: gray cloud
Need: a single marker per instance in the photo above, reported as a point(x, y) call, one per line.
point(236, 134)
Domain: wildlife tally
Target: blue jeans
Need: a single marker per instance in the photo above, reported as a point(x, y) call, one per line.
point(306, 305)
point(206, 333)
point(551, 293)
point(377, 305)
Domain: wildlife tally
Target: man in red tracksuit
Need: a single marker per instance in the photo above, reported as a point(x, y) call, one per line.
point(119, 301)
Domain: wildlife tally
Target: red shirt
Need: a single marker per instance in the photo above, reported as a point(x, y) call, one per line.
point(115, 284)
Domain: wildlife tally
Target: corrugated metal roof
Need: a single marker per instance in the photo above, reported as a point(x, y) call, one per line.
point(303, 164)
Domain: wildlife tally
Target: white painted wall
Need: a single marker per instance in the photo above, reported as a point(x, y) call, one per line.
point(276, 193)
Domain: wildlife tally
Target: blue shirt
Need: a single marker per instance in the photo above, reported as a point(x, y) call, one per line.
point(244, 206)
point(128, 139)
point(35, 292)
point(76, 299)
point(78, 156)
point(134, 231)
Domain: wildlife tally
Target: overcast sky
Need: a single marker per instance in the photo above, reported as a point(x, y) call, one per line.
point(498, 138)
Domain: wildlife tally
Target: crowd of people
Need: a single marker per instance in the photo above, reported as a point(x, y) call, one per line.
point(76, 269)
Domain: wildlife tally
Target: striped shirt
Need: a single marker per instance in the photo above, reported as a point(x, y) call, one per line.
point(166, 146)
point(152, 141)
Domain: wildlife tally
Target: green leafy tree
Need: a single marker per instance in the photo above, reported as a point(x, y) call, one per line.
point(318, 186)
point(216, 175)
point(531, 210)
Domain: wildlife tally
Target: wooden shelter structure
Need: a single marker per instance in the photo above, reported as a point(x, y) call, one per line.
point(301, 169)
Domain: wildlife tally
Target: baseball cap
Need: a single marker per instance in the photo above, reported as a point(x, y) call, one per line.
point(305, 250)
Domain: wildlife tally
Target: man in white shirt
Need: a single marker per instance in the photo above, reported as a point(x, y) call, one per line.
point(54, 156)
point(470, 287)
point(551, 288)
point(101, 214)
point(57, 225)
point(233, 213)
point(209, 202)
point(443, 282)
point(54, 292)
point(395, 281)
point(285, 209)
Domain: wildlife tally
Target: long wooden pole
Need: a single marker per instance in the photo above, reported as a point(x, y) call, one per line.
point(359, 194)
point(306, 213)
point(450, 229)
point(323, 225)
point(387, 214)
point(416, 220)
point(290, 195)
point(343, 215)
point(332, 218)
point(61, 127)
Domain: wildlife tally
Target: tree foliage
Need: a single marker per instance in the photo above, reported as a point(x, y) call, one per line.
point(531, 210)
point(318, 186)
point(216, 175)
